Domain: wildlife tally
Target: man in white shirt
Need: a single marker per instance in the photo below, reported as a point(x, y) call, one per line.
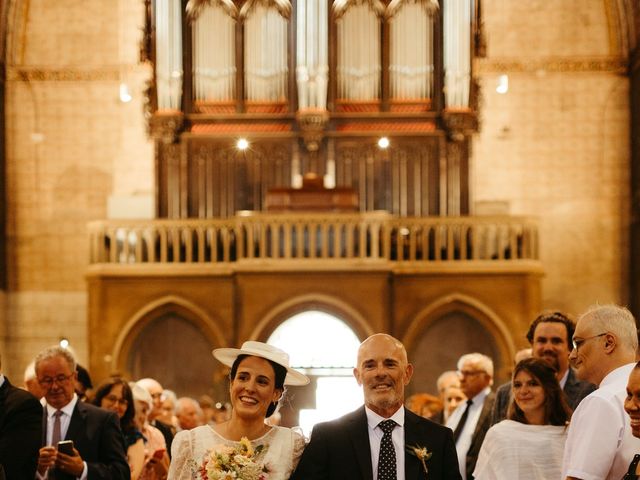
point(599, 443)
point(471, 420)
point(98, 451)
point(381, 440)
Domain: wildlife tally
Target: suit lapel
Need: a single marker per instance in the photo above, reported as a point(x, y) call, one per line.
point(76, 424)
point(411, 438)
point(359, 433)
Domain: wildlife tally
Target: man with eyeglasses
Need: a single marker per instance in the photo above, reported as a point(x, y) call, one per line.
point(20, 430)
point(550, 336)
point(98, 451)
point(600, 444)
point(471, 419)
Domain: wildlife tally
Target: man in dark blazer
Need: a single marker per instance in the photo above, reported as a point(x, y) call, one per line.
point(20, 431)
point(550, 336)
point(353, 446)
point(99, 451)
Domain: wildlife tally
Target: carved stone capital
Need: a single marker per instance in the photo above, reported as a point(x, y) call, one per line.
point(459, 123)
point(312, 124)
point(166, 126)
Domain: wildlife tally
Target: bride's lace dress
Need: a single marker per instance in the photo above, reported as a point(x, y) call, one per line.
point(284, 447)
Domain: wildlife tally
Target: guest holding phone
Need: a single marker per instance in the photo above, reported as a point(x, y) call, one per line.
point(98, 450)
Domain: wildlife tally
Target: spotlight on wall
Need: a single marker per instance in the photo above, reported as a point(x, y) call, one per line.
point(242, 144)
point(125, 95)
point(503, 84)
point(64, 342)
point(383, 142)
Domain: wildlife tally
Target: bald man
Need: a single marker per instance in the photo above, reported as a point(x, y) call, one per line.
point(381, 439)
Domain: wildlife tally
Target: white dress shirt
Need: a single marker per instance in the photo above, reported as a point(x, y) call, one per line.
point(397, 437)
point(464, 440)
point(65, 420)
point(600, 444)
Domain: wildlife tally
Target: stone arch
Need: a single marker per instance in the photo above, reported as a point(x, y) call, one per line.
point(193, 320)
point(324, 303)
point(471, 310)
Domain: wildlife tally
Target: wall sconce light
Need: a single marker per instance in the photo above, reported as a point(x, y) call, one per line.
point(64, 342)
point(503, 84)
point(125, 95)
point(242, 144)
point(383, 142)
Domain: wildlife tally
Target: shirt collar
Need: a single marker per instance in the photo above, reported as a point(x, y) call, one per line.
point(1, 379)
point(563, 380)
point(373, 419)
point(479, 398)
point(67, 409)
point(620, 373)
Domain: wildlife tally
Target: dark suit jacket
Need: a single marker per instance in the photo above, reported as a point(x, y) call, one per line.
point(97, 436)
point(20, 431)
point(339, 450)
point(167, 432)
point(575, 390)
point(484, 423)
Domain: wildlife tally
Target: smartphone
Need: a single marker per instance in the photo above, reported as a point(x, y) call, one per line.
point(159, 453)
point(66, 447)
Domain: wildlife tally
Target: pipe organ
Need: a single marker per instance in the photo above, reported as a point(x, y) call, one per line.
point(312, 85)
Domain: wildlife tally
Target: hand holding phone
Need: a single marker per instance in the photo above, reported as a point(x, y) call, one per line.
point(66, 447)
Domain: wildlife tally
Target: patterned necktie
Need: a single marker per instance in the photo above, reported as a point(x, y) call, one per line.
point(56, 436)
point(387, 457)
point(463, 420)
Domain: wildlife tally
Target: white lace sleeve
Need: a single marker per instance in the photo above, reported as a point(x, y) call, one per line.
point(181, 467)
point(299, 443)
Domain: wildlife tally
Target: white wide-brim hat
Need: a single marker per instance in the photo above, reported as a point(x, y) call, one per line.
point(258, 349)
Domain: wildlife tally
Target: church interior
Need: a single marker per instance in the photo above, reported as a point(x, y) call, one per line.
point(181, 175)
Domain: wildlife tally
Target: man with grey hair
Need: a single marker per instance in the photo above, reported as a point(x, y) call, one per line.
point(471, 420)
point(446, 380)
point(98, 445)
point(600, 443)
point(188, 413)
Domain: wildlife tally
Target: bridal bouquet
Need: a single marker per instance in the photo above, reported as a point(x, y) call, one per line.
point(241, 462)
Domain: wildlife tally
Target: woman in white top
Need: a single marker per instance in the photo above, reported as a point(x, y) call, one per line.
point(245, 444)
point(528, 445)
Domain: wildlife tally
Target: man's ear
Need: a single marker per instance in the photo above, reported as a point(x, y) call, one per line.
point(408, 373)
point(356, 374)
point(610, 342)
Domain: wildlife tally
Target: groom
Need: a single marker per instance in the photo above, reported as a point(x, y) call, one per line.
point(382, 440)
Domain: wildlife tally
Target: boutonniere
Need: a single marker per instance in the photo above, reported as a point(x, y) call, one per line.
point(422, 454)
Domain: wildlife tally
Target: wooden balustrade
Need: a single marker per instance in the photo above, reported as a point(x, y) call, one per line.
point(335, 236)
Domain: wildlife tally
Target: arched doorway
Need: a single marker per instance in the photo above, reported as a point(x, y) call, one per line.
point(439, 346)
point(324, 348)
point(177, 353)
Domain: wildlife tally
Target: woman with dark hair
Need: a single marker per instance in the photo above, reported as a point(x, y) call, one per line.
point(632, 407)
point(115, 394)
point(244, 446)
point(529, 444)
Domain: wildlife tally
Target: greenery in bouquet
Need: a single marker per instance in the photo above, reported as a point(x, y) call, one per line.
point(240, 462)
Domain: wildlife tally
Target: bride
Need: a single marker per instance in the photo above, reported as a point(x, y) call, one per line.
point(244, 445)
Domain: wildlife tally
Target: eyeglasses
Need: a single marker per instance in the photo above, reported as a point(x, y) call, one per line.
point(577, 342)
point(47, 382)
point(470, 373)
point(113, 399)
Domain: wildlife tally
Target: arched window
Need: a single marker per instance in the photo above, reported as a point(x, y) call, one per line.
point(325, 348)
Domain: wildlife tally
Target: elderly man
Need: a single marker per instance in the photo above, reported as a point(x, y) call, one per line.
point(98, 443)
point(471, 420)
point(446, 380)
point(600, 444)
point(381, 440)
point(550, 338)
point(188, 413)
point(20, 430)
